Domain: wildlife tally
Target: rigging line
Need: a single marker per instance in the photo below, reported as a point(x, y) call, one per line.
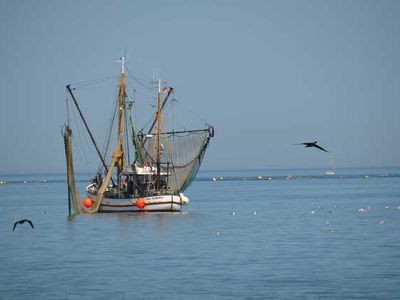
point(87, 128)
point(172, 105)
point(66, 102)
point(137, 85)
point(126, 134)
point(79, 142)
point(169, 152)
point(97, 79)
point(138, 81)
point(94, 87)
point(159, 109)
point(146, 124)
point(87, 148)
point(147, 95)
point(108, 137)
point(81, 155)
point(153, 149)
point(200, 118)
point(88, 82)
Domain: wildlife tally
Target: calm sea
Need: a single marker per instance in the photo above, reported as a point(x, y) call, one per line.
point(307, 236)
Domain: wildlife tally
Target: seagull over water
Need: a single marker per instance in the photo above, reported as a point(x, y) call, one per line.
point(312, 144)
point(22, 222)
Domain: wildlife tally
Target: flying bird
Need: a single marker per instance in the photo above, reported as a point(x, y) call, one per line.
point(22, 222)
point(312, 144)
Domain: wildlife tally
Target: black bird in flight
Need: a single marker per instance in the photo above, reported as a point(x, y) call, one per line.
point(314, 144)
point(22, 222)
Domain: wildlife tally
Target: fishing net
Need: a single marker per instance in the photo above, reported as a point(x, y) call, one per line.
point(181, 154)
point(75, 204)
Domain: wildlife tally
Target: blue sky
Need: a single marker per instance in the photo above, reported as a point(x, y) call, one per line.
point(266, 74)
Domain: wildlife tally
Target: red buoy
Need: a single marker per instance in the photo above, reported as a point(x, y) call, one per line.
point(88, 202)
point(140, 203)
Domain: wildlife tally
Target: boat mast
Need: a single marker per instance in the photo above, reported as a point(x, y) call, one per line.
point(121, 97)
point(170, 91)
point(158, 127)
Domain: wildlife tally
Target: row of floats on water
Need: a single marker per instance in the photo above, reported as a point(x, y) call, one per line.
point(231, 178)
point(24, 181)
point(243, 178)
point(290, 177)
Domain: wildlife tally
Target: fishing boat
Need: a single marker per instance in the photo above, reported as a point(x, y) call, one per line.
point(329, 172)
point(149, 169)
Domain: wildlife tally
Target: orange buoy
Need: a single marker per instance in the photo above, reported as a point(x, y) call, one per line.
point(87, 202)
point(140, 203)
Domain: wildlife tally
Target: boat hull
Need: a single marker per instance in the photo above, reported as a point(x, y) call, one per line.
point(166, 203)
point(330, 173)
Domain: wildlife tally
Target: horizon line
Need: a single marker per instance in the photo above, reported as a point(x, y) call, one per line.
point(211, 170)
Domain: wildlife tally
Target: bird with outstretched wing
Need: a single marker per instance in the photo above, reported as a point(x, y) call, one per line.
point(312, 144)
point(22, 222)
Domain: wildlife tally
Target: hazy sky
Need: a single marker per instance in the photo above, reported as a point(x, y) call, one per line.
point(266, 74)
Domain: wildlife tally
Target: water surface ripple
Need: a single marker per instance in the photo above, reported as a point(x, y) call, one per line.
point(253, 239)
